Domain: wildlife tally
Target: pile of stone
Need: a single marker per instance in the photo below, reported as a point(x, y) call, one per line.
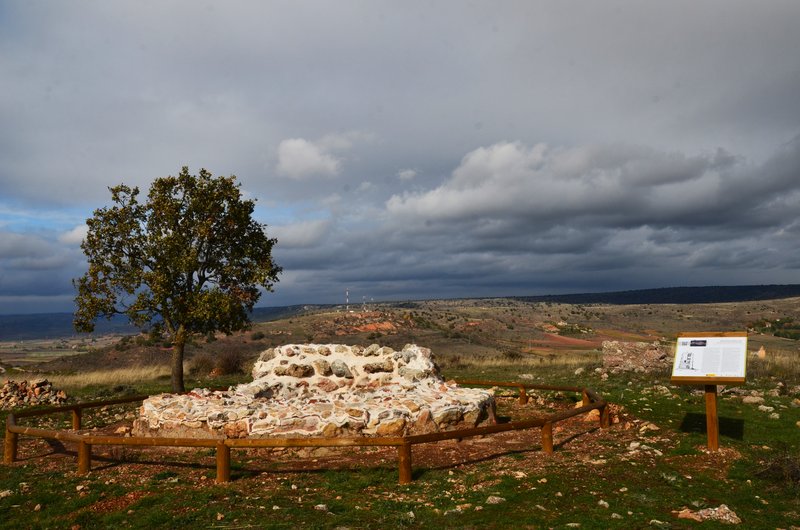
point(15, 394)
point(325, 391)
point(722, 513)
point(640, 357)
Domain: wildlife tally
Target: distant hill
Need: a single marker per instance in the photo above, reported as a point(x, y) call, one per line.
point(59, 325)
point(676, 295)
point(54, 326)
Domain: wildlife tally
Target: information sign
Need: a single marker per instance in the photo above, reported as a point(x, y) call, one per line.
point(710, 358)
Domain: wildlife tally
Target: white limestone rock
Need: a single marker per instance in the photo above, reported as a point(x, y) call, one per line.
point(324, 390)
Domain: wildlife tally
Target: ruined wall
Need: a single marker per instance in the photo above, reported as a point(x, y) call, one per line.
point(324, 390)
point(641, 357)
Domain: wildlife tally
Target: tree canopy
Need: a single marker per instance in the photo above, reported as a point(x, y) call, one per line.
point(190, 258)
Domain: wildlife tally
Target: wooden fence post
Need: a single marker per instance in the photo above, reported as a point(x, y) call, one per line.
point(586, 399)
point(547, 437)
point(10, 447)
point(605, 418)
point(76, 419)
point(523, 397)
point(712, 420)
point(404, 463)
point(84, 458)
point(223, 462)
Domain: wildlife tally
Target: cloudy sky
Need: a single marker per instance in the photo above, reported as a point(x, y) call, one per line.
point(416, 149)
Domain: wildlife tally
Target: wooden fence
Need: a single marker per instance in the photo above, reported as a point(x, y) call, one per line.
point(223, 446)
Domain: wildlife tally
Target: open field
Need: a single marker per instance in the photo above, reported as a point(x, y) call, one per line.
point(639, 473)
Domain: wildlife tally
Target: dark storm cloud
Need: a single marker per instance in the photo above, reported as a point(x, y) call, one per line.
point(418, 149)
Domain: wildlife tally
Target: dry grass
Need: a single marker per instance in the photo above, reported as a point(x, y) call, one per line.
point(521, 362)
point(780, 364)
point(119, 376)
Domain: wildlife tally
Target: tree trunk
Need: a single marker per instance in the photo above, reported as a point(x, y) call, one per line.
point(177, 360)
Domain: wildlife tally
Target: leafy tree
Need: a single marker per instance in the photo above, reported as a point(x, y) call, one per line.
point(190, 259)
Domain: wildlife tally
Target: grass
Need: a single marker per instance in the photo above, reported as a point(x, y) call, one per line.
point(119, 376)
point(541, 491)
point(755, 473)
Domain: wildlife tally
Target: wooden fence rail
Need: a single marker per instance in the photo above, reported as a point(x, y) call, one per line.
point(591, 401)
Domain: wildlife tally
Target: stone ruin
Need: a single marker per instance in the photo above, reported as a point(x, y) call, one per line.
point(332, 390)
point(15, 394)
point(640, 357)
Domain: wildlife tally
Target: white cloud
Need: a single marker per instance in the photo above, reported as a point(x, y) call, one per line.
point(299, 158)
point(407, 174)
point(430, 83)
point(344, 140)
point(618, 183)
point(301, 235)
point(74, 236)
point(365, 187)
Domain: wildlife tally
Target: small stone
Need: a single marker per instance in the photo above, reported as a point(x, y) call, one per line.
point(220, 516)
point(340, 369)
point(321, 507)
point(494, 499)
point(300, 370)
point(276, 507)
point(721, 513)
point(542, 481)
point(686, 513)
point(6, 493)
point(774, 416)
point(616, 516)
point(386, 366)
point(393, 427)
point(602, 503)
point(323, 367)
point(37, 508)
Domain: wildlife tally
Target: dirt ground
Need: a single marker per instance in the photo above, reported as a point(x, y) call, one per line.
point(578, 441)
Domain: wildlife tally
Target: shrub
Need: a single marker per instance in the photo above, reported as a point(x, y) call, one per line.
point(228, 362)
point(202, 364)
point(783, 468)
point(223, 363)
point(258, 335)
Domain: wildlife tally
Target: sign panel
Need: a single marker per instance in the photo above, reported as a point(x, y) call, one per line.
point(715, 357)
